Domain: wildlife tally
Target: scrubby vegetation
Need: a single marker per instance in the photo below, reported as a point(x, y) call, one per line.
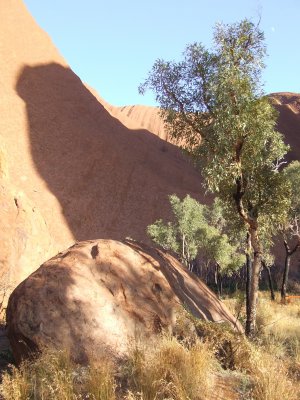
point(203, 360)
point(197, 236)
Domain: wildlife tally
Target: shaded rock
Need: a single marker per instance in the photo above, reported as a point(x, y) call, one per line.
point(99, 295)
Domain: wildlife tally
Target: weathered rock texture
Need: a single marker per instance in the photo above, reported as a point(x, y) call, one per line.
point(97, 296)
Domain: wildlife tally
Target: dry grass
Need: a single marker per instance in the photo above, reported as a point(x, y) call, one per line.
point(170, 370)
point(270, 378)
point(164, 369)
point(279, 326)
point(100, 382)
point(48, 377)
point(274, 359)
point(182, 368)
point(52, 376)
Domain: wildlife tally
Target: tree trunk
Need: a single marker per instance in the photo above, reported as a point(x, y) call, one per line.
point(288, 256)
point(220, 285)
point(253, 290)
point(285, 274)
point(248, 273)
point(218, 280)
point(270, 280)
point(206, 273)
point(183, 248)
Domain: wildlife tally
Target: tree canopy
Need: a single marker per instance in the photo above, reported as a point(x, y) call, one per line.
point(192, 234)
point(212, 104)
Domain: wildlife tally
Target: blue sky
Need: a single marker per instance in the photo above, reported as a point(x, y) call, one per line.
point(112, 44)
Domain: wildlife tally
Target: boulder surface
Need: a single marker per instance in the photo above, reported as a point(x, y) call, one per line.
point(98, 296)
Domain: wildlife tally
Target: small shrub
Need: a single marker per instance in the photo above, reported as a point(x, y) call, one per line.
point(230, 348)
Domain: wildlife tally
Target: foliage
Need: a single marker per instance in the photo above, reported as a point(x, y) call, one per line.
point(211, 101)
point(192, 235)
point(212, 104)
point(182, 236)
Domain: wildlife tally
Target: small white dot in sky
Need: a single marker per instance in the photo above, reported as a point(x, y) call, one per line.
point(272, 29)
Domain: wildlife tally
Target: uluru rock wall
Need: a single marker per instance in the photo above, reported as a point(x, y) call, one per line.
point(288, 107)
point(84, 172)
point(143, 117)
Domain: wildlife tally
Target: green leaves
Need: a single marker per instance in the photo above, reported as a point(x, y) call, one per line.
point(164, 235)
point(292, 175)
point(197, 231)
point(183, 235)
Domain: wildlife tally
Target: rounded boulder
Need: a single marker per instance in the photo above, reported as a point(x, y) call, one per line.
point(98, 296)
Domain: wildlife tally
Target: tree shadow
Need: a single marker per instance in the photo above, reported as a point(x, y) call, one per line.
point(110, 181)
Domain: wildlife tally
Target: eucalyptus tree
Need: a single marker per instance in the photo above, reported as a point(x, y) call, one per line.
point(183, 235)
point(192, 234)
point(212, 103)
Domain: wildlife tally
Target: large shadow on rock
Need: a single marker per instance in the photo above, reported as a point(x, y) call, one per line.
point(191, 292)
point(110, 181)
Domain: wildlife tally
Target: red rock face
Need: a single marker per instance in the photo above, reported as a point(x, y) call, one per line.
point(142, 117)
point(288, 106)
point(81, 169)
point(98, 296)
point(87, 169)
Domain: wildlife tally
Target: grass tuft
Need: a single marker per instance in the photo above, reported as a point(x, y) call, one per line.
point(170, 370)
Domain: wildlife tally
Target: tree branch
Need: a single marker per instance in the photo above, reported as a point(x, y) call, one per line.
point(182, 112)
